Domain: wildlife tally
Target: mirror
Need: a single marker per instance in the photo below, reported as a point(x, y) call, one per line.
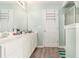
point(12, 16)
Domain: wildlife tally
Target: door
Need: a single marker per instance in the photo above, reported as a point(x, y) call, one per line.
point(51, 30)
point(70, 41)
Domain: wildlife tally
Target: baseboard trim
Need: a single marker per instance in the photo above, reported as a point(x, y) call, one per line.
point(41, 46)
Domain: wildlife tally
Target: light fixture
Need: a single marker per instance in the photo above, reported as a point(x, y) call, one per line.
point(21, 3)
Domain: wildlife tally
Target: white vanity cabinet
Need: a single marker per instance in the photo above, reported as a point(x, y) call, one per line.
point(19, 47)
point(26, 45)
point(12, 48)
point(30, 43)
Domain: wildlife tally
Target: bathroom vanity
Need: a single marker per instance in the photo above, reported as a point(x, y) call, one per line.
point(18, 46)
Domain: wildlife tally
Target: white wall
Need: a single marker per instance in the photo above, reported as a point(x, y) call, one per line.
point(20, 19)
point(35, 22)
point(61, 28)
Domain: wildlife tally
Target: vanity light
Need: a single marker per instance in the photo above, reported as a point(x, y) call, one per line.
point(22, 4)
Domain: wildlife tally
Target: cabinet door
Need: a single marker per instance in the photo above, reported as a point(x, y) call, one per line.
point(13, 49)
point(77, 42)
point(34, 41)
point(70, 43)
point(26, 44)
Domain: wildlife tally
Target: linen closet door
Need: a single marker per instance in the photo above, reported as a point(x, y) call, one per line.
point(70, 32)
point(51, 30)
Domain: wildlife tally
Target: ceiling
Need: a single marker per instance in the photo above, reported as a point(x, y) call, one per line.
point(42, 3)
point(35, 2)
point(7, 2)
point(48, 2)
point(56, 4)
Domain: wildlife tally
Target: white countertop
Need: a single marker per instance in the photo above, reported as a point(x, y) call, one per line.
point(14, 37)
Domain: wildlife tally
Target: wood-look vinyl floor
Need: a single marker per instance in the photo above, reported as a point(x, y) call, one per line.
point(45, 52)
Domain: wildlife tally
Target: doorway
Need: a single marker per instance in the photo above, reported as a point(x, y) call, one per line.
point(51, 28)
